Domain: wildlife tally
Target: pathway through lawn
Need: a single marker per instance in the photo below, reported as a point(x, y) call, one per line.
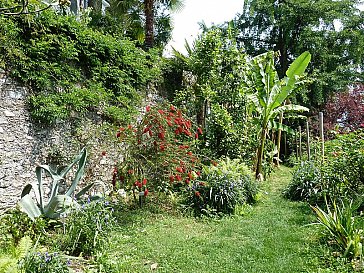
point(273, 237)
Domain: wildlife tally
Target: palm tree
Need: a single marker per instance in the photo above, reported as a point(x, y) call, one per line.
point(149, 14)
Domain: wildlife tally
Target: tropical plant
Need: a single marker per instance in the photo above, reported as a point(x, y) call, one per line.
point(340, 223)
point(57, 203)
point(269, 93)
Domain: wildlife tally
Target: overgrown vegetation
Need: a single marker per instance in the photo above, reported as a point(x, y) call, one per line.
point(74, 69)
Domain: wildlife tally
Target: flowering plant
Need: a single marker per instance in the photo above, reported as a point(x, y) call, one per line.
point(160, 149)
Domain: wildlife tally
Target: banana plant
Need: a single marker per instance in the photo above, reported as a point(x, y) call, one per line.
point(268, 94)
point(57, 203)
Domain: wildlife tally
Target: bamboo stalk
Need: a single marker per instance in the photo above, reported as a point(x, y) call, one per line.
point(321, 120)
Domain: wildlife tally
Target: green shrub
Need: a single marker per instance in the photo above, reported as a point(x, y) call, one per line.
point(15, 225)
point(306, 183)
point(341, 175)
point(221, 188)
point(86, 228)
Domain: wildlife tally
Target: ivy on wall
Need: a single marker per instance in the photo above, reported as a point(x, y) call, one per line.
point(73, 69)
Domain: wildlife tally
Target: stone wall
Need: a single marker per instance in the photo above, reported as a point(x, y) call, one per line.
point(24, 144)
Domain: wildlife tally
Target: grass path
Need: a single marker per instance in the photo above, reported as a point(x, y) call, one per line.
point(273, 237)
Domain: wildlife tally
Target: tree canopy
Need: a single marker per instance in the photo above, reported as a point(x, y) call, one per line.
point(331, 30)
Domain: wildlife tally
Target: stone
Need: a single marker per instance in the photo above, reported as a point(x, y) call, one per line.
point(9, 114)
point(3, 121)
point(1, 130)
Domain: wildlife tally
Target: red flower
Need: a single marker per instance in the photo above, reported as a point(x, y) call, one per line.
point(161, 135)
point(196, 136)
point(103, 153)
point(197, 193)
point(146, 192)
point(121, 129)
point(118, 134)
point(162, 147)
point(130, 171)
point(202, 184)
point(144, 181)
point(199, 130)
point(171, 178)
point(178, 178)
point(179, 169)
point(130, 127)
point(198, 173)
point(160, 111)
point(189, 153)
point(172, 108)
point(187, 181)
point(147, 108)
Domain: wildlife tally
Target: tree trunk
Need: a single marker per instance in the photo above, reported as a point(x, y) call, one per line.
point(149, 23)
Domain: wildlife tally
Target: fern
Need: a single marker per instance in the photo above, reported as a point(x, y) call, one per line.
point(9, 261)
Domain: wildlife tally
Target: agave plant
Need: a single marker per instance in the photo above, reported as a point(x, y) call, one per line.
point(57, 203)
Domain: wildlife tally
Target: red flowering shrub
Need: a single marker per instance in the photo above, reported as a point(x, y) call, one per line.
point(160, 147)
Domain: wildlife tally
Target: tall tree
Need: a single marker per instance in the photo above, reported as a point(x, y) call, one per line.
point(333, 31)
point(147, 21)
point(149, 13)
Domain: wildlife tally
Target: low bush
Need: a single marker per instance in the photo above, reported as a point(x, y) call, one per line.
point(15, 225)
point(43, 262)
point(306, 183)
point(221, 187)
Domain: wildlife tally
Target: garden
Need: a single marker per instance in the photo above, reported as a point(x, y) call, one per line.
point(237, 156)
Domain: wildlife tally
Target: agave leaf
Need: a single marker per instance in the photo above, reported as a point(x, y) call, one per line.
point(81, 159)
point(26, 190)
point(28, 206)
point(57, 205)
point(84, 190)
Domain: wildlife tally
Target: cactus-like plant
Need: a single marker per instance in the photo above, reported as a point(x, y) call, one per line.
point(57, 203)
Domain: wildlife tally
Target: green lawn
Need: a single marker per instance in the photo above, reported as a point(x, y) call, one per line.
point(273, 237)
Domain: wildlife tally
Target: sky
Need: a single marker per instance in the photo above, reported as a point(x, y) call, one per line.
point(186, 21)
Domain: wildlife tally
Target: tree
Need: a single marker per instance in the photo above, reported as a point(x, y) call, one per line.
point(270, 93)
point(333, 31)
point(147, 21)
point(149, 13)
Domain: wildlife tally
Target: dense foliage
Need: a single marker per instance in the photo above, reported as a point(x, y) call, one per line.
point(73, 69)
point(214, 93)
